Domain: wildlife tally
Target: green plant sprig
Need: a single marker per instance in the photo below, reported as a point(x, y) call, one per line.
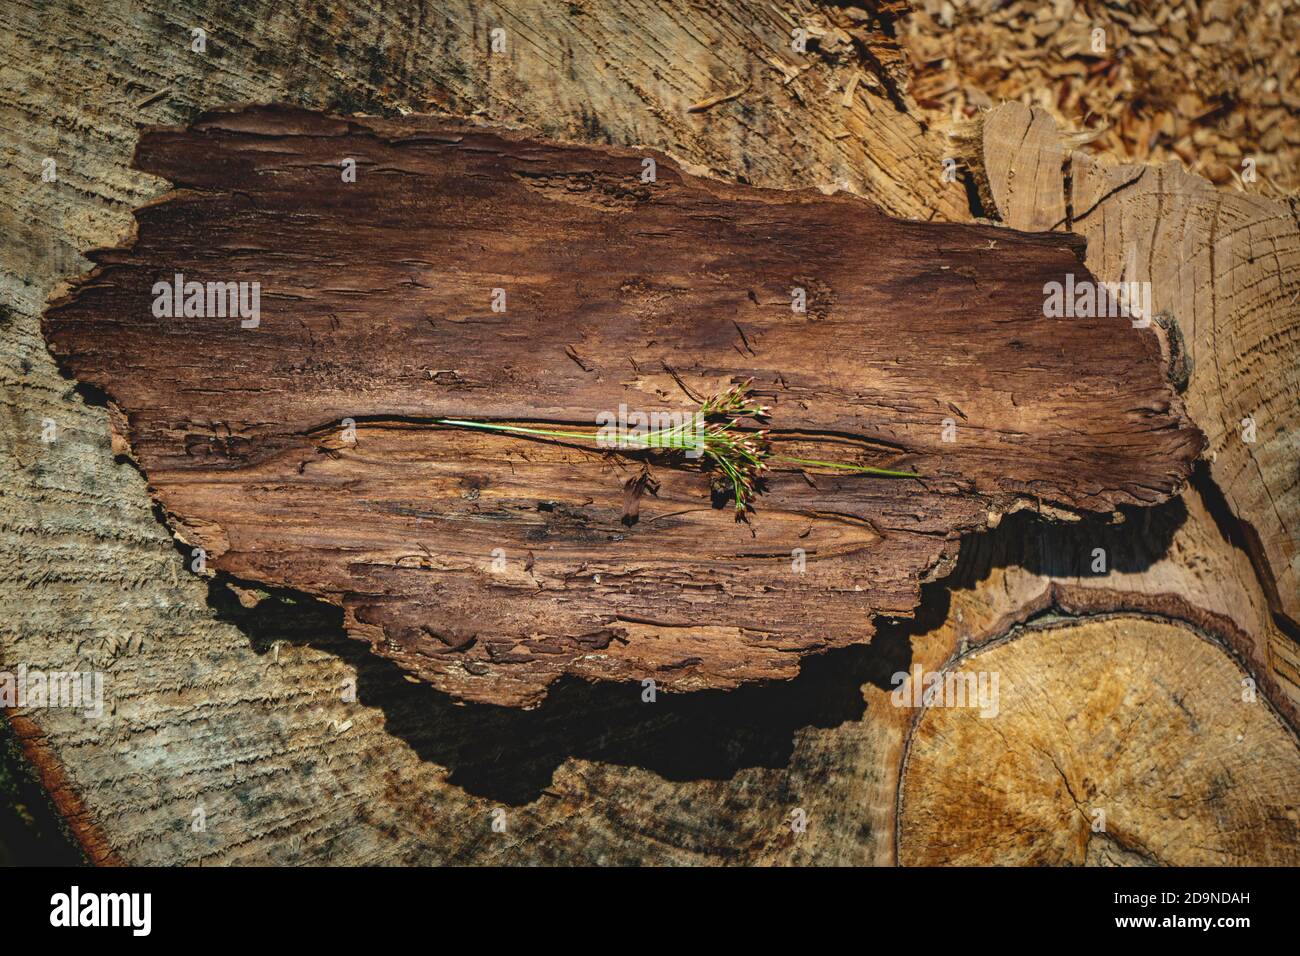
point(713, 432)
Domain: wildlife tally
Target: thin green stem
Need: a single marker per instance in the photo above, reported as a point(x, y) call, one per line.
point(663, 439)
point(740, 456)
point(518, 429)
point(863, 469)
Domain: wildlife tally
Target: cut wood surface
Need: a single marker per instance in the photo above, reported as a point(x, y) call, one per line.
point(1186, 561)
point(1119, 741)
point(1224, 270)
point(491, 564)
point(240, 710)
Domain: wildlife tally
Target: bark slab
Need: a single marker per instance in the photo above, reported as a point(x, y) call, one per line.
point(491, 565)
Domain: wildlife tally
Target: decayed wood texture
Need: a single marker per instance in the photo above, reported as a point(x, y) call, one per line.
point(1122, 741)
point(239, 710)
point(93, 574)
point(1224, 269)
point(620, 293)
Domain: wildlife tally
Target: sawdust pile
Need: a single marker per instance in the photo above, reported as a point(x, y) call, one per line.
point(1209, 82)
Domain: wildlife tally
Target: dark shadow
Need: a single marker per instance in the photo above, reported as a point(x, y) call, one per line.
point(31, 831)
point(510, 755)
point(1049, 548)
point(1069, 549)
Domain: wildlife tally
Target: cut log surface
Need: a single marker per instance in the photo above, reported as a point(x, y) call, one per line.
point(1119, 741)
point(1224, 272)
point(1185, 561)
point(493, 564)
point(244, 712)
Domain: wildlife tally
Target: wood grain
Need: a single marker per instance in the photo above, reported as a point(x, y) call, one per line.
point(1116, 742)
point(1224, 269)
point(375, 310)
point(240, 709)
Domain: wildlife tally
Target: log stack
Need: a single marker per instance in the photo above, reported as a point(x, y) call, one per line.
point(1146, 705)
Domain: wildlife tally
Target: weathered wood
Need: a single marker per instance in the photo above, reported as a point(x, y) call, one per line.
point(94, 575)
point(374, 318)
point(1224, 269)
point(240, 710)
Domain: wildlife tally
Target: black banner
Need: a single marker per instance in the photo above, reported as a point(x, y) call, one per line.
point(334, 907)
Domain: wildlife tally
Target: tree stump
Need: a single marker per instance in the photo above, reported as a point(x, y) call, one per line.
point(1077, 762)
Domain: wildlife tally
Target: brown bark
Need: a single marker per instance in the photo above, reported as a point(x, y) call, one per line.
point(375, 310)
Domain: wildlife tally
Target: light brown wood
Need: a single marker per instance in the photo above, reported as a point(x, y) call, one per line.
point(1119, 741)
point(1224, 273)
point(1185, 561)
point(1023, 186)
point(1209, 83)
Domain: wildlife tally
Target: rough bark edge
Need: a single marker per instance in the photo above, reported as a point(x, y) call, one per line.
point(62, 792)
